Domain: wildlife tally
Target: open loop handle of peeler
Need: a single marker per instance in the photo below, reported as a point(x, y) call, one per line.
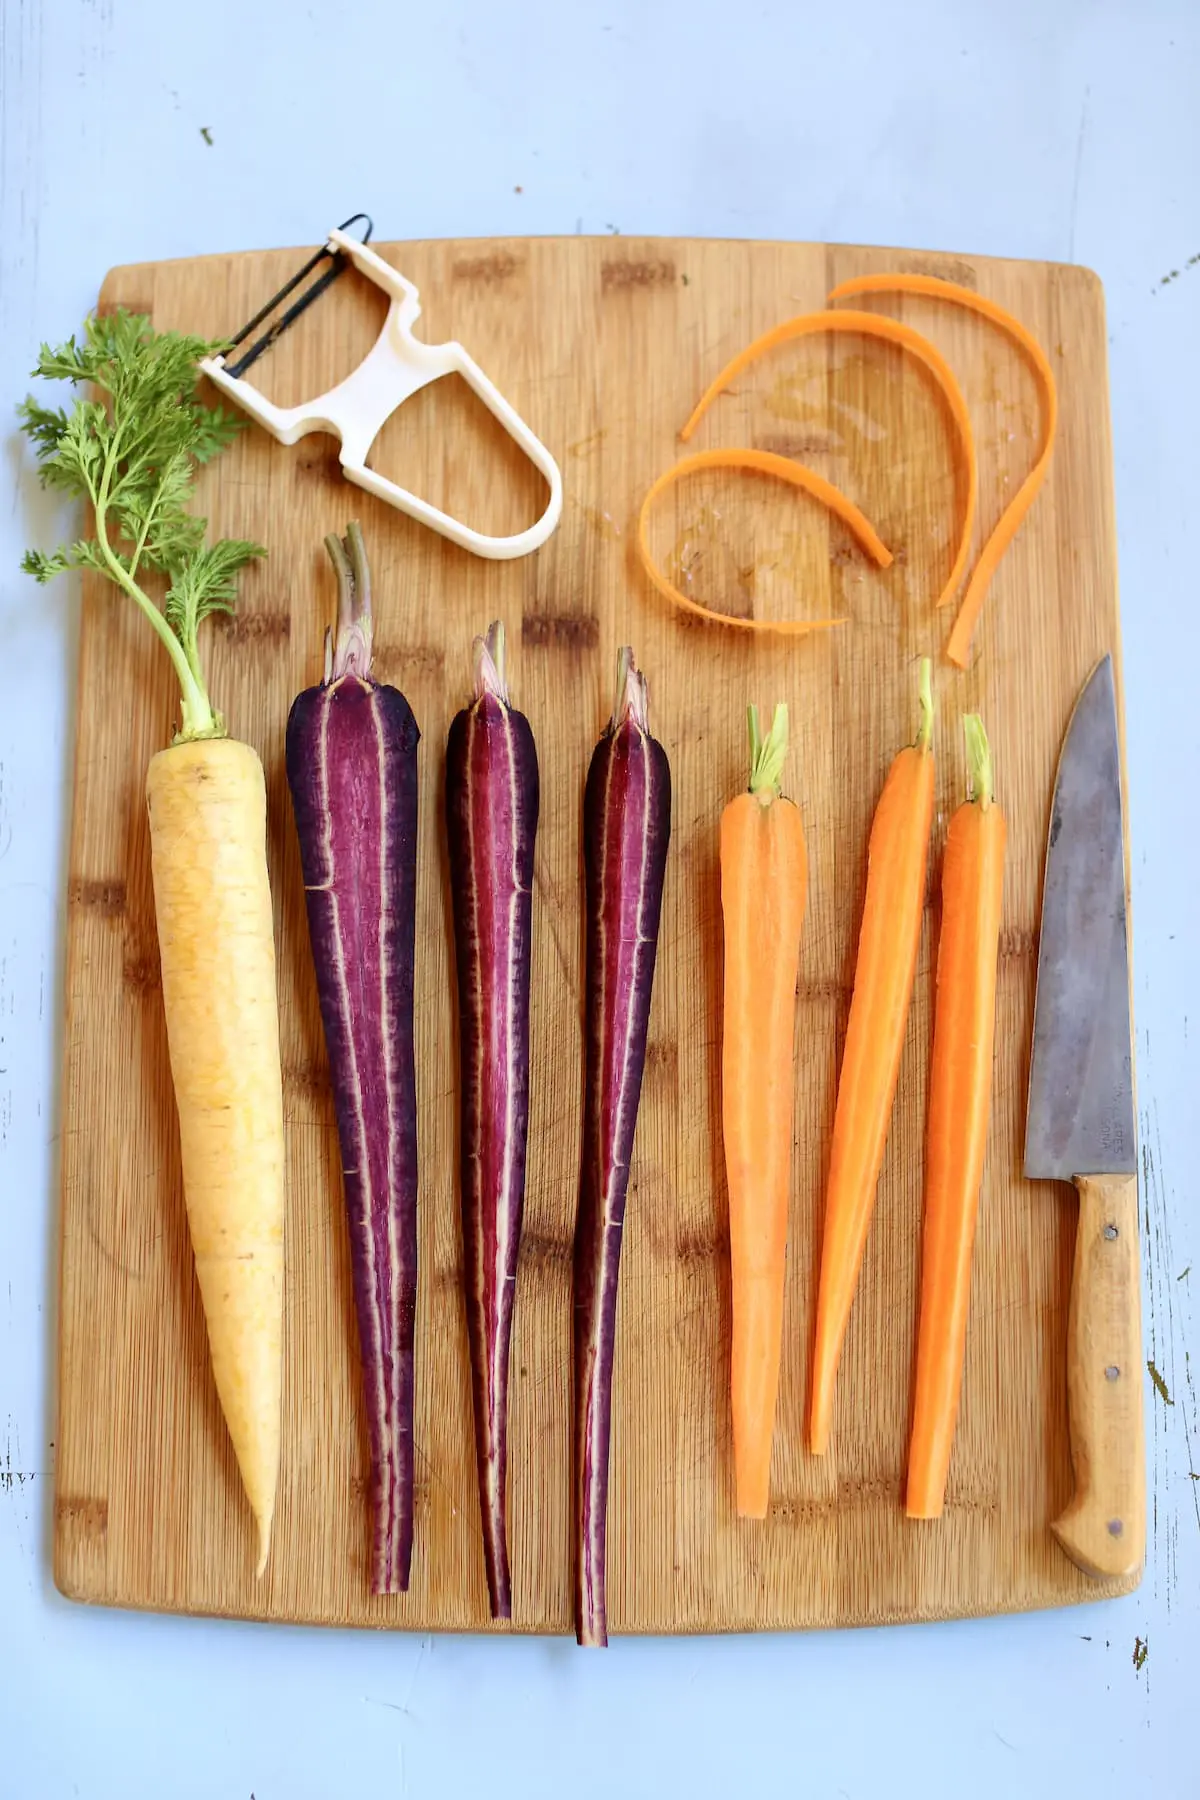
point(397, 366)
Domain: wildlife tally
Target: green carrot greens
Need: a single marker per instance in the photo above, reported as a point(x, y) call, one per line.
point(133, 452)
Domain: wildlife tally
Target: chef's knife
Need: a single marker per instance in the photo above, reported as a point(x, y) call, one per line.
point(1080, 1128)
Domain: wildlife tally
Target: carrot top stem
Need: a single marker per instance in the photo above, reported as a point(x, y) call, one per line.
point(632, 698)
point(924, 735)
point(979, 761)
point(131, 445)
point(767, 754)
point(489, 663)
point(351, 655)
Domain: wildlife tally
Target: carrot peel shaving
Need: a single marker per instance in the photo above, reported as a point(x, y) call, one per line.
point(892, 331)
point(933, 287)
point(762, 462)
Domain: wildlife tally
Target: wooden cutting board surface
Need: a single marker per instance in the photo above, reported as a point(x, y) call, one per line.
point(603, 346)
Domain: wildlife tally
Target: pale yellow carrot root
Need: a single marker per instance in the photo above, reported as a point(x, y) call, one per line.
point(207, 805)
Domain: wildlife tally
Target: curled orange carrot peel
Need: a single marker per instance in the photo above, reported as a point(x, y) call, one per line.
point(761, 462)
point(958, 645)
point(765, 462)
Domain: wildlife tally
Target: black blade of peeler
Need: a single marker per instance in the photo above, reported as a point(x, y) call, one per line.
point(336, 261)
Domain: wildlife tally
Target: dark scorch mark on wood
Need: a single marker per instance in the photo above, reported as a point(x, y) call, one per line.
point(319, 459)
point(391, 662)
point(945, 269)
point(824, 987)
point(701, 1247)
point(105, 897)
point(91, 1515)
point(662, 1058)
point(546, 1250)
point(499, 266)
point(253, 628)
point(560, 631)
point(307, 1078)
point(1017, 944)
point(624, 275)
point(141, 972)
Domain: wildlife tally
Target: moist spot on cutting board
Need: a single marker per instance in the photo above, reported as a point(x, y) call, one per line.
point(797, 444)
point(601, 522)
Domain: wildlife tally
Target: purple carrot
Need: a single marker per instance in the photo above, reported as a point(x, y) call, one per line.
point(626, 829)
point(491, 819)
point(352, 769)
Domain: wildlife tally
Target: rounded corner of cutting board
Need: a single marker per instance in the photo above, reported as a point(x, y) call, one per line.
point(130, 285)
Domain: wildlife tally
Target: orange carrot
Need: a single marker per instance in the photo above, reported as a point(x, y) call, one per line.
point(960, 1088)
point(958, 644)
point(893, 331)
point(762, 462)
point(888, 941)
point(764, 885)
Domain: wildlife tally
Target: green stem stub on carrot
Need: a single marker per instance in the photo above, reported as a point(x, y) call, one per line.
point(979, 761)
point(767, 754)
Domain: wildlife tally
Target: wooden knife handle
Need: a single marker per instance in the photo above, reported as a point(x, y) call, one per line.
point(1103, 1530)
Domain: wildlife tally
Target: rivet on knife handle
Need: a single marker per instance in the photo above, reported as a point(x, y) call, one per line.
point(1103, 1530)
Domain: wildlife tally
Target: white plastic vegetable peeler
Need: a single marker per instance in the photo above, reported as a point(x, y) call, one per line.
point(396, 366)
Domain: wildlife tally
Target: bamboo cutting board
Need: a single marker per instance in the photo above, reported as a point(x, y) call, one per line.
point(603, 346)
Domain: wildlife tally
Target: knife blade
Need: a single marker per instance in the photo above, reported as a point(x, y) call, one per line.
point(1080, 1128)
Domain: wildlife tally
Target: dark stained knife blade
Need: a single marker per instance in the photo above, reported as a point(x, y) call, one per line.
point(1080, 1128)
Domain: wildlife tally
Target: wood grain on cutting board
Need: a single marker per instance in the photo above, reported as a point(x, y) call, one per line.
point(603, 346)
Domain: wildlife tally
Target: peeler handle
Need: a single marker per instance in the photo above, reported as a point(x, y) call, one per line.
point(453, 359)
point(397, 366)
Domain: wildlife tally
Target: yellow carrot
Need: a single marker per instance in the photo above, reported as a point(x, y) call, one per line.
point(207, 803)
point(130, 449)
point(883, 982)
